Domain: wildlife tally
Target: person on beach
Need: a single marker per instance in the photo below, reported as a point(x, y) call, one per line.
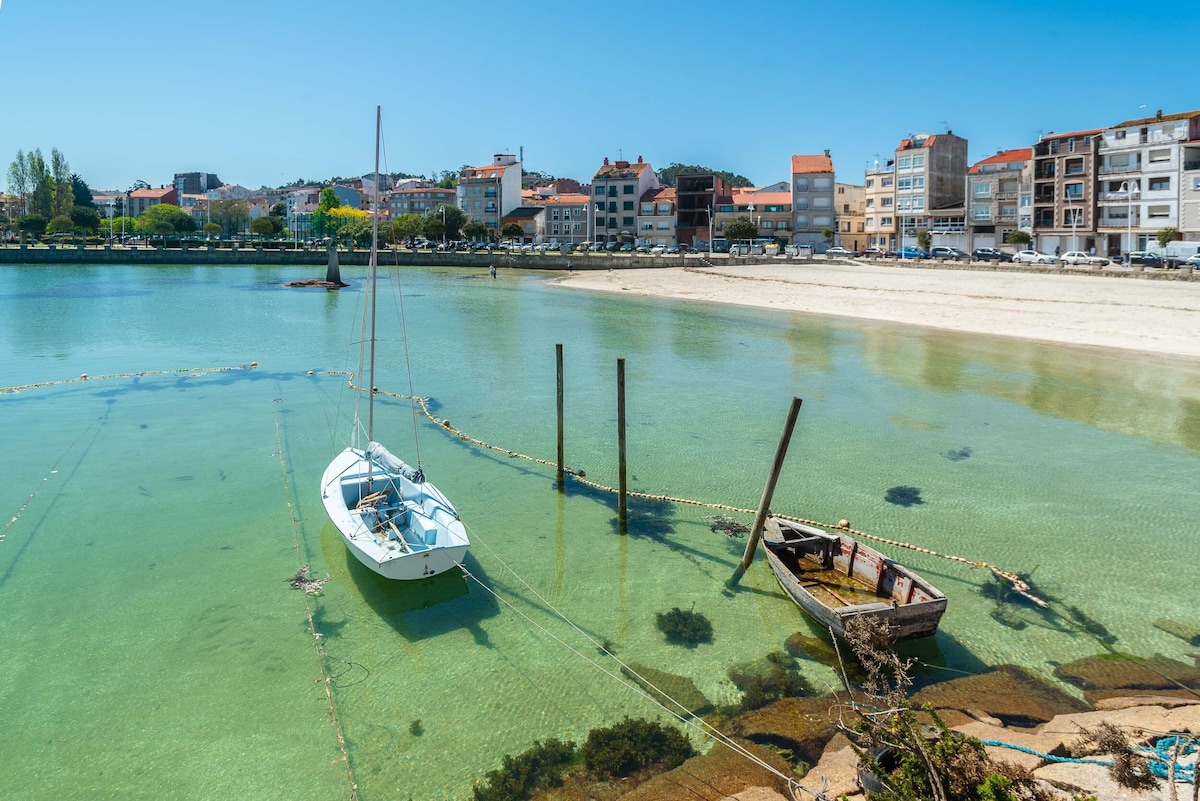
point(492, 269)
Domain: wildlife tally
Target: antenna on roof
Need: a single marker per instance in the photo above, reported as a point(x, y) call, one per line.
point(619, 154)
point(946, 125)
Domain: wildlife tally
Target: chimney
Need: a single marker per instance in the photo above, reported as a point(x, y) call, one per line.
point(606, 161)
point(826, 152)
point(1158, 116)
point(640, 158)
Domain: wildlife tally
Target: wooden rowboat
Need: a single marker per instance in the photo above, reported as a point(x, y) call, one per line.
point(835, 578)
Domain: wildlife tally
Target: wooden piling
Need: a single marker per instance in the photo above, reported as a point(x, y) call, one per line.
point(558, 354)
point(622, 508)
point(764, 505)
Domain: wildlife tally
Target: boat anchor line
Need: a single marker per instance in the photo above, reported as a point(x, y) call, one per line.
point(1019, 585)
point(326, 679)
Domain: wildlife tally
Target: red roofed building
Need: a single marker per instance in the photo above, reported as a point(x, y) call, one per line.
point(141, 199)
point(568, 218)
point(616, 189)
point(656, 217)
point(486, 194)
point(998, 197)
point(811, 198)
point(931, 173)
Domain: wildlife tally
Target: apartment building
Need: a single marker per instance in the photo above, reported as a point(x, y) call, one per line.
point(486, 194)
point(195, 183)
point(420, 199)
point(849, 212)
point(931, 173)
point(1065, 213)
point(141, 199)
point(617, 188)
point(531, 220)
point(812, 196)
point(697, 197)
point(1140, 172)
point(994, 189)
point(879, 205)
point(769, 208)
point(656, 217)
point(568, 218)
point(1189, 191)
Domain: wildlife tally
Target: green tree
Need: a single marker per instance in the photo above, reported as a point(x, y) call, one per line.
point(33, 224)
point(329, 200)
point(668, 175)
point(740, 228)
point(139, 184)
point(432, 226)
point(454, 218)
point(61, 193)
point(163, 219)
point(21, 182)
point(60, 224)
point(86, 218)
point(475, 231)
point(828, 234)
point(212, 229)
point(924, 239)
point(279, 209)
point(407, 226)
point(512, 231)
point(232, 215)
point(81, 192)
point(1166, 235)
point(1018, 238)
point(263, 227)
point(116, 225)
point(448, 179)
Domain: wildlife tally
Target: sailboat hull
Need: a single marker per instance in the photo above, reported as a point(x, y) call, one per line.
point(398, 527)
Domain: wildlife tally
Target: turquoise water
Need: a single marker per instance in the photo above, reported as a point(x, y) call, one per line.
point(153, 648)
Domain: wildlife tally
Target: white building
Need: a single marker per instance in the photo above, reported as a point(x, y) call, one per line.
point(486, 194)
point(617, 188)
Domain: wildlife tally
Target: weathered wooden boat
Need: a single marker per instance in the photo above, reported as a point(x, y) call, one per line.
point(835, 578)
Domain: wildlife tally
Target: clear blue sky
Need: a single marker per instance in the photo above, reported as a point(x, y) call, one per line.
point(264, 93)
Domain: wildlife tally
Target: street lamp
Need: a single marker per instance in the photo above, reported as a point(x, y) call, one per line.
point(710, 231)
point(443, 223)
point(1071, 211)
point(1128, 188)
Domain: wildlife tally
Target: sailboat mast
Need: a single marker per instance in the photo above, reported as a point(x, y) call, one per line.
point(374, 271)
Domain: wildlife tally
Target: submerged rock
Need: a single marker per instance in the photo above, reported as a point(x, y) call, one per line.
point(903, 496)
point(1188, 634)
point(680, 689)
point(1009, 693)
point(1110, 675)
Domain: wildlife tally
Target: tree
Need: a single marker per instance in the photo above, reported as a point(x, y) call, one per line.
point(60, 224)
point(828, 233)
point(1166, 235)
point(432, 226)
point(139, 184)
point(232, 215)
point(340, 216)
point(20, 182)
point(116, 225)
point(454, 218)
point(924, 239)
point(448, 179)
point(212, 229)
point(740, 228)
point(407, 226)
point(512, 231)
point(163, 219)
point(668, 175)
point(263, 226)
point(82, 192)
point(329, 200)
point(33, 224)
point(1018, 238)
point(279, 209)
point(475, 231)
point(86, 218)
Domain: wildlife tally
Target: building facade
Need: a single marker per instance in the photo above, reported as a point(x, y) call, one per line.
point(141, 199)
point(568, 218)
point(1189, 191)
point(994, 188)
point(1065, 212)
point(812, 198)
point(617, 188)
point(697, 197)
point(931, 173)
point(879, 205)
point(418, 200)
point(195, 183)
point(770, 211)
point(486, 194)
point(656, 217)
point(849, 210)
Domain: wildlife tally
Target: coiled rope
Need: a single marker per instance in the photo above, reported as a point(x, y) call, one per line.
point(1163, 757)
point(1019, 585)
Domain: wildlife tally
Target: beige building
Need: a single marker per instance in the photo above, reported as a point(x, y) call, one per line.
point(568, 218)
point(994, 189)
point(141, 199)
point(656, 217)
point(1065, 211)
point(931, 173)
point(850, 205)
point(1189, 192)
point(487, 194)
point(879, 205)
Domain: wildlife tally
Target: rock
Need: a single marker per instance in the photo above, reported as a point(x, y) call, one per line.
point(715, 776)
point(1097, 698)
point(681, 689)
point(1009, 693)
point(1125, 701)
point(836, 774)
point(759, 794)
point(800, 725)
point(1188, 634)
point(1122, 672)
point(1094, 780)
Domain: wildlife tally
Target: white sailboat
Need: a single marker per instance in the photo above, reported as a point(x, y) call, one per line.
point(393, 520)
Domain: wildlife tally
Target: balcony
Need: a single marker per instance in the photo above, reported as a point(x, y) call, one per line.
point(1006, 217)
point(1191, 165)
point(1119, 222)
point(1006, 196)
point(1118, 197)
point(1119, 169)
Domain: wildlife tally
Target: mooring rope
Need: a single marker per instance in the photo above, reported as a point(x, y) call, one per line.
point(1019, 585)
point(191, 371)
point(326, 679)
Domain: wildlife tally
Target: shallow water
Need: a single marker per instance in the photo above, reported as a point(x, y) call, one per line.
point(153, 648)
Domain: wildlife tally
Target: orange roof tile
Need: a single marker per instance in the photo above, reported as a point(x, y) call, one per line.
point(1072, 135)
point(1183, 115)
point(161, 191)
point(489, 171)
point(565, 199)
point(760, 199)
point(802, 165)
point(1004, 157)
point(616, 167)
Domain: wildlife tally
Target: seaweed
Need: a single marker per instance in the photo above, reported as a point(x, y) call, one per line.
point(684, 628)
point(536, 768)
point(769, 679)
point(731, 527)
point(958, 455)
point(903, 496)
point(632, 745)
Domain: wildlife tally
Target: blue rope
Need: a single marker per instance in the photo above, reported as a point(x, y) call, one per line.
point(1162, 750)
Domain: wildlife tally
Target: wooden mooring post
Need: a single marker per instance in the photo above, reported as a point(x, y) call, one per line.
point(622, 508)
point(764, 505)
point(558, 354)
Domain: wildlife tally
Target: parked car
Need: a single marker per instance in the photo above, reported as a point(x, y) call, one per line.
point(990, 254)
point(658, 250)
point(1141, 257)
point(871, 253)
point(952, 254)
point(909, 252)
point(1193, 261)
point(673, 250)
point(1079, 257)
point(1034, 257)
point(643, 248)
point(626, 248)
point(838, 252)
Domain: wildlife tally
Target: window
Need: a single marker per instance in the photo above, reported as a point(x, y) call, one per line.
point(845, 208)
point(1074, 191)
point(1196, 184)
point(801, 204)
point(801, 184)
point(904, 203)
point(886, 182)
point(1074, 167)
point(918, 203)
point(664, 226)
point(664, 208)
point(841, 190)
point(983, 190)
point(870, 183)
point(904, 185)
point(1120, 135)
point(821, 222)
point(982, 213)
point(1072, 217)
point(554, 216)
point(1026, 200)
point(1010, 211)
point(779, 208)
point(599, 189)
point(822, 203)
point(887, 202)
point(904, 162)
point(1159, 156)
point(627, 189)
point(647, 226)
point(801, 221)
point(554, 228)
point(626, 221)
point(1158, 212)
point(870, 203)
point(767, 224)
point(885, 222)
point(870, 222)
point(627, 205)
point(1160, 183)
point(822, 183)
point(647, 208)
point(918, 161)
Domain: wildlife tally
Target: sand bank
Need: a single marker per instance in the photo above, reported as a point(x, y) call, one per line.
point(1157, 316)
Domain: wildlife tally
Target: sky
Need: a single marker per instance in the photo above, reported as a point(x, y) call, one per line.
point(264, 93)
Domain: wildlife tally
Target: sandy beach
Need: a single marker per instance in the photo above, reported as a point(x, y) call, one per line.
point(1157, 316)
